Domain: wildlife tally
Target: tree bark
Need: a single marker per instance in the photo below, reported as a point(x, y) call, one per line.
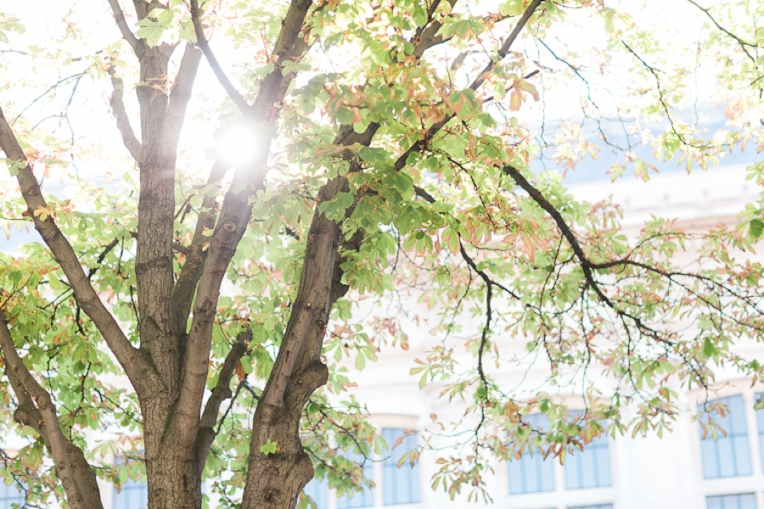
point(172, 478)
point(276, 480)
point(36, 409)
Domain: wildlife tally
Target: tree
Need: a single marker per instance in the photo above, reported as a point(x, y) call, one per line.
point(407, 165)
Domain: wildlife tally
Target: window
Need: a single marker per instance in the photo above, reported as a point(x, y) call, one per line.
point(743, 501)
point(10, 495)
point(589, 468)
point(363, 498)
point(727, 456)
point(599, 506)
point(318, 491)
point(531, 474)
point(132, 495)
point(760, 421)
point(400, 485)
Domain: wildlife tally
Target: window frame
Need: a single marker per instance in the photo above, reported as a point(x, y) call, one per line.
point(129, 483)
point(390, 463)
point(6, 500)
point(752, 494)
point(129, 486)
point(562, 497)
point(532, 458)
point(729, 438)
point(729, 485)
point(381, 422)
point(594, 447)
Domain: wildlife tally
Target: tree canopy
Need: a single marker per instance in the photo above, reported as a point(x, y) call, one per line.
point(193, 296)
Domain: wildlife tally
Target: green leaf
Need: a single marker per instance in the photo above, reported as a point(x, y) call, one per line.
point(335, 209)
point(344, 115)
point(165, 17)
point(269, 447)
point(14, 166)
point(709, 349)
point(756, 227)
point(151, 35)
point(419, 15)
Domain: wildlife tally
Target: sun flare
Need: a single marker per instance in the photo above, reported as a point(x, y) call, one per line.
point(239, 145)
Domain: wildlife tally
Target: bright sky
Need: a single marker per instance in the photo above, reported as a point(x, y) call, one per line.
point(94, 122)
point(91, 118)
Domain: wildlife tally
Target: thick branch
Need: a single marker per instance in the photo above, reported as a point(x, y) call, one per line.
point(418, 147)
point(127, 34)
point(201, 41)
point(268, 96)
point(427, 35)
point(156, 216)
point(508, 42)
point(320, 259)
point(185, 288)
point(36, 402)
point(231, 225)
point(180, 95)
point(550, 209)
point(221, 392)
point(86, 297)
point(299, 370)
point(123, 121)
point(234, 217)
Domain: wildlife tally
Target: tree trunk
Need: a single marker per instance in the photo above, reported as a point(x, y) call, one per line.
point(173, 482)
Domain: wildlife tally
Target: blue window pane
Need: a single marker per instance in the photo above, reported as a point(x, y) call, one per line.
point(600, 506)
point(318, 491)
point(132, 495)
point(400, 485)
point(602, 455)
point(727, 456)
point(589, 468)
point(10, 495)
point(364, 498)
point(741, 501)
point(531, 474)
point(707, 450)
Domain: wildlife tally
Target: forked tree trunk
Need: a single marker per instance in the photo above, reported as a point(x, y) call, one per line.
point(170, 368)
